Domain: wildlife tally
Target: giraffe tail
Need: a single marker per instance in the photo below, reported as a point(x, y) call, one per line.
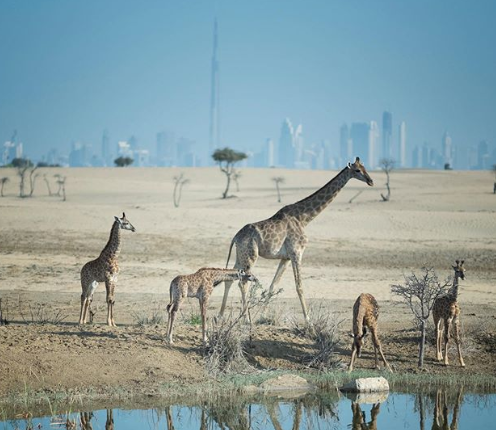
point(169, 306)
point(229, 255)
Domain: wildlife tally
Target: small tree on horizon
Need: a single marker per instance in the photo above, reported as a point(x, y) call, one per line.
point(278, 180)
point(387, 164)
point(123, 161)
point(3, 181)
point(494, 172)
point(179, 182)
point(226, 158)
point(420, 294)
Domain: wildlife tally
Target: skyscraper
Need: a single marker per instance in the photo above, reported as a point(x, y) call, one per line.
point(345, 150)
point(402, 144)
point(214, 137)
point(285, 149)
point(166, 149)
point(387, 134)
point(372, 158)
point(359, 135)
point(447, 149)
point(106, 149)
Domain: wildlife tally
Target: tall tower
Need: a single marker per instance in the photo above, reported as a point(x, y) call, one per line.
point(106, 148)
point(447, 149)
point(214, 136)
point(371, 157)
point(402, 144)
point(387, 132)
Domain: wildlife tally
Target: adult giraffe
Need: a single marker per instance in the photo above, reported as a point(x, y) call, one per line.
point(282, 236)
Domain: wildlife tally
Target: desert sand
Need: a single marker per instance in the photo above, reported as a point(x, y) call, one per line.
point(433, 218)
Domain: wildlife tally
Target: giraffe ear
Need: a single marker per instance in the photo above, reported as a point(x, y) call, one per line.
point(117, 219)
point(463, 261)
point(349, 165)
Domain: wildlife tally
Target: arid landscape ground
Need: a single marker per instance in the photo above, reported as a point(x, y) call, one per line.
point(433, 218)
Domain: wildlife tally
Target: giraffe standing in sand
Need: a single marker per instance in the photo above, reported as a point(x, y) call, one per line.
point(282, 237)
point(446, 309)
point(365, 314)
point(104, 269)
point(200, 285)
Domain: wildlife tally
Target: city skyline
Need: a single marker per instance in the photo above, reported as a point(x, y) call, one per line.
point(435, 76)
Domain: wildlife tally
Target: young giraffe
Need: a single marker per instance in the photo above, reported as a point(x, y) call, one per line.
point(365, 314)
point(282, 237)
point(200, 285)
point(446, 308)
point(104, 269)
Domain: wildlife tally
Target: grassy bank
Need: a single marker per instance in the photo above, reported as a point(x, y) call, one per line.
point(54, 402)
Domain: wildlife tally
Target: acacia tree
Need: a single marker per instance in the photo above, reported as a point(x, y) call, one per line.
point(226, 158)
point(387, 164)
point(420, 294)
point(3, 181)
point(278, 180)
point(179, 182)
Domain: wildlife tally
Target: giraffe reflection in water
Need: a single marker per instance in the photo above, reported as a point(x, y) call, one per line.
point(360, 422)
point(442, 401)
point(86, 417)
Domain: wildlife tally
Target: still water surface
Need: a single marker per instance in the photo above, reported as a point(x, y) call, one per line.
point(442, 409)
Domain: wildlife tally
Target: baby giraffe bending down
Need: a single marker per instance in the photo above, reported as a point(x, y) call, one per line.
point(103, 269)
point(200, 285)
point(365, 314)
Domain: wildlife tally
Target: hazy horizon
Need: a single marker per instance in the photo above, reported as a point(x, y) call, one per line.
point(71, 70)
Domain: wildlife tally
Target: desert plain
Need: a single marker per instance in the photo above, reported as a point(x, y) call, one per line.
point(432, 219)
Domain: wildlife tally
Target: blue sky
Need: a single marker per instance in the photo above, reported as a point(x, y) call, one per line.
point(70, 69)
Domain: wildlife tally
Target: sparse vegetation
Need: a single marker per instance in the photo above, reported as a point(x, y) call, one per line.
point(229, 336)
point(226, 159)
point(41, 313)
point(419, 293)
point(3, 181)
point(179, 182)
point(387, 165)
point(322, 330)
point(142, 319)
point(278, 180)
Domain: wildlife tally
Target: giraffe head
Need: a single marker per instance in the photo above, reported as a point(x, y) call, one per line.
point(243, 276)
point(358, 172)
point(124, 223)
point(459, 269)
point(358, 340)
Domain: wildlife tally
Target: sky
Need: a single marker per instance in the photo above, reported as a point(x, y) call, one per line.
point(71, 69)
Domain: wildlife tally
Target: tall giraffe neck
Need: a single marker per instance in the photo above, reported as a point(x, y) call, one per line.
point(307, 209)
point(113, 246)
point(454, 288)
point(221, 275)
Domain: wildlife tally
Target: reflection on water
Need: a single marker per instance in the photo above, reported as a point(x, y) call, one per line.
point(442, 409)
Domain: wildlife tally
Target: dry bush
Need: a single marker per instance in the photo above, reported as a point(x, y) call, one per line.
point(41, 313)
point(229, 336)
point(142, 319)
point(323, 332)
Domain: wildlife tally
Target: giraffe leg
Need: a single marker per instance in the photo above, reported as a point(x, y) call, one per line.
point(439, 332)
point(203, 312)
point(110, 286)
point(447, 326)
point(297, 276)
point(353, 358)
point(172, 316)
point(243, 286)
point(283, 264)
point(227, 287)
point(83, 305)
point(378, 346)
point(458, 341)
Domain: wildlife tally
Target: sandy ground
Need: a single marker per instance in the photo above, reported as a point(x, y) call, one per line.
point(433, 218)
